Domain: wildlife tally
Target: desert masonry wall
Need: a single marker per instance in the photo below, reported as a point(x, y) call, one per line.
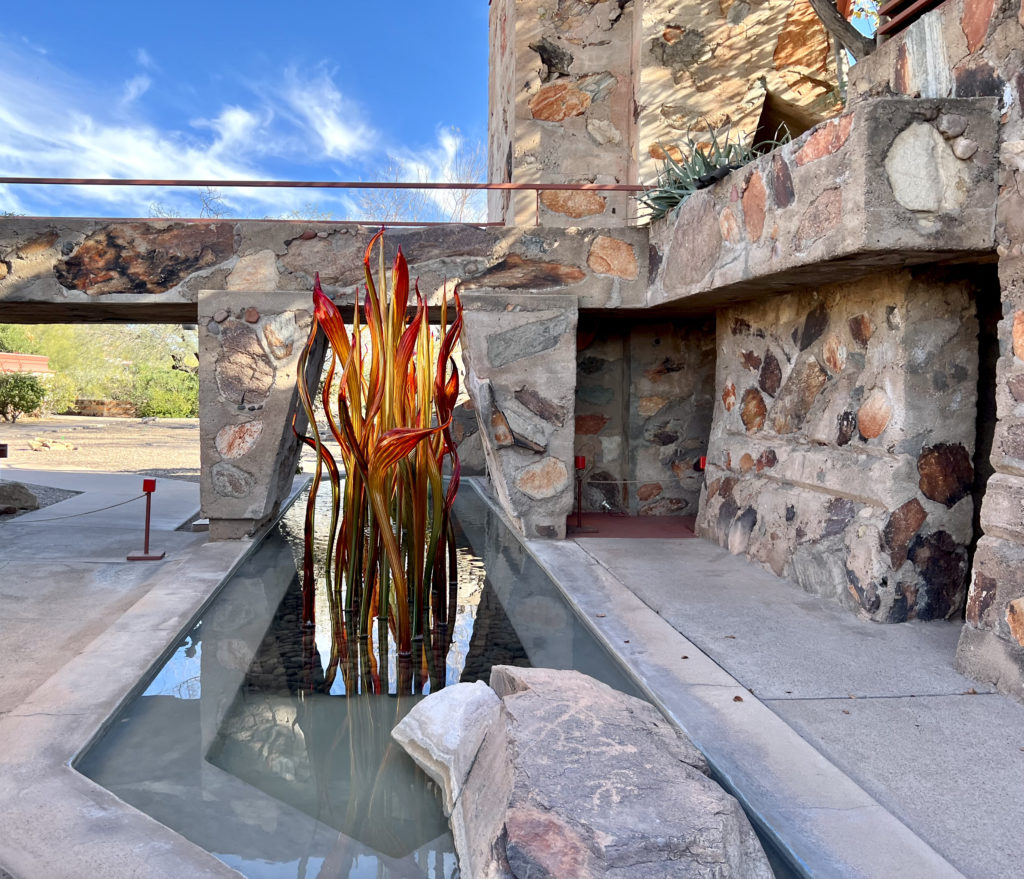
point(841, 454)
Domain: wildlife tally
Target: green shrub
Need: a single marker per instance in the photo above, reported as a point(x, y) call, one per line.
point(166, 393)
point(704, 161)
point(61, 393)
point(20, 394)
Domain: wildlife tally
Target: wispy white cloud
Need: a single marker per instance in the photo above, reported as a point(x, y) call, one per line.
point(135, 88)
point(54, 125)
point(450, 159)
point(329, 116)
point(9, 202)
point(144, 59)
point(42, 50)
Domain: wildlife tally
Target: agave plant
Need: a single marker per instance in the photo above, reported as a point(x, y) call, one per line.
point(702, 163)
point(390, 390)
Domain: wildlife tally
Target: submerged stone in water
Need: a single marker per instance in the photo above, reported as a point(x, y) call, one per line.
point(443, 734)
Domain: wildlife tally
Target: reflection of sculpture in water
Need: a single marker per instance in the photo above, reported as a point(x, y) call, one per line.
point(331, 756)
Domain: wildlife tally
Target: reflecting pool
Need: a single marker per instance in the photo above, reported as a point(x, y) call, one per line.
point(242, 743)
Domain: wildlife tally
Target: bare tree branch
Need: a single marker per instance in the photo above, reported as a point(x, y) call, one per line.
point(855, 42)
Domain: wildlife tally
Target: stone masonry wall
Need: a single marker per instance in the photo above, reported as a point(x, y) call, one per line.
point(567, 66)
point(501, 107)
point(843, 438)
point(976, 48)
point(79, 269)
point(891, 182)
point(712, 62)
point(519, 351)
point(644, 400)
point(249, 347)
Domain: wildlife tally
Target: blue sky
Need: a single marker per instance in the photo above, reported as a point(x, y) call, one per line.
point(336, 91)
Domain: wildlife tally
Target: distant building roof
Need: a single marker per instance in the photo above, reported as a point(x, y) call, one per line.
point(36, 364)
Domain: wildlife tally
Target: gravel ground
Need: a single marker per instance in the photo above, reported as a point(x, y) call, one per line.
point(162, 447)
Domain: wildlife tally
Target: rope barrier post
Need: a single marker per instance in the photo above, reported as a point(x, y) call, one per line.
point(148, 486)
point(580, 463)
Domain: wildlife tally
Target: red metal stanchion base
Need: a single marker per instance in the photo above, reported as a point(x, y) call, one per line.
point(146, 557)
point(148, 487)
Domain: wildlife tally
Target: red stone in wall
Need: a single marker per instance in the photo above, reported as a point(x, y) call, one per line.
point(825, 140)
point(754, 197)
point(581, 203)
point(558, 101)
point(590, 424)
point(975, 20)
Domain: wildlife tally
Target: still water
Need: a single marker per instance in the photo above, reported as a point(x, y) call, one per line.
point(238, 744)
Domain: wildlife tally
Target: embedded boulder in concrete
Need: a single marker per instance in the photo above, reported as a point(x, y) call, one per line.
point(568, 777)
point(16, 496)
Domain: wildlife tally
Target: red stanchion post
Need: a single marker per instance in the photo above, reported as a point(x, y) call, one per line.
point(581, 465)
point(148, 486)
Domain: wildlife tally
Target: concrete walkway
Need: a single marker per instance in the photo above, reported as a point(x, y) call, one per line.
point(80, 626)
point(857, 744)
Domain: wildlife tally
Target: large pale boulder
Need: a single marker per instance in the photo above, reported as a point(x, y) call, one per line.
point(445, 739)
point(17, 497)
point(572, 779)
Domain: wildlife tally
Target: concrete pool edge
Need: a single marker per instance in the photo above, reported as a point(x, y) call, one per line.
point(822, 820)
point(57, 822)
point(51, 814)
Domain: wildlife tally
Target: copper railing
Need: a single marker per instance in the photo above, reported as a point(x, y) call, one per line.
point(537, 188)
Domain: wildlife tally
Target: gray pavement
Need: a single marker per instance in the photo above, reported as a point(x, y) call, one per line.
point(941, 755)
point(80, 626)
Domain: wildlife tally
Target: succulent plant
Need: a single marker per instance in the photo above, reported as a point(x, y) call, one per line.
point(702, 163)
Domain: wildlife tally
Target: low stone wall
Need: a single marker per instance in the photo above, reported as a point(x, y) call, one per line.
point(644, 399)
point(109, 408)
point(891, 182)
point(249, 347)
point(80, 269)
point(842, 448)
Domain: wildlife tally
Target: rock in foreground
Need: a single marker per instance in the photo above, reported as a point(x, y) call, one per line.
point(17, 496)
point(572, 779)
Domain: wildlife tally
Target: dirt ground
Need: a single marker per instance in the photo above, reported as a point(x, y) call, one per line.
point(161, 447)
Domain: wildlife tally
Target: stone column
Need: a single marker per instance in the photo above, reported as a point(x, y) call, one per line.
point(991, 644)
point(562, 98)
point(249, 345)
point(520, 357)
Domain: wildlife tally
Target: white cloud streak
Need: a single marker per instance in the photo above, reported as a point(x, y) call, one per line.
point(328, 115)
point(449, 160)
point(135, 88)
point(54, 125)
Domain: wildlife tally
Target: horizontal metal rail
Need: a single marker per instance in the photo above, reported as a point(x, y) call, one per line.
point(536, 188)
point(322, 184)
